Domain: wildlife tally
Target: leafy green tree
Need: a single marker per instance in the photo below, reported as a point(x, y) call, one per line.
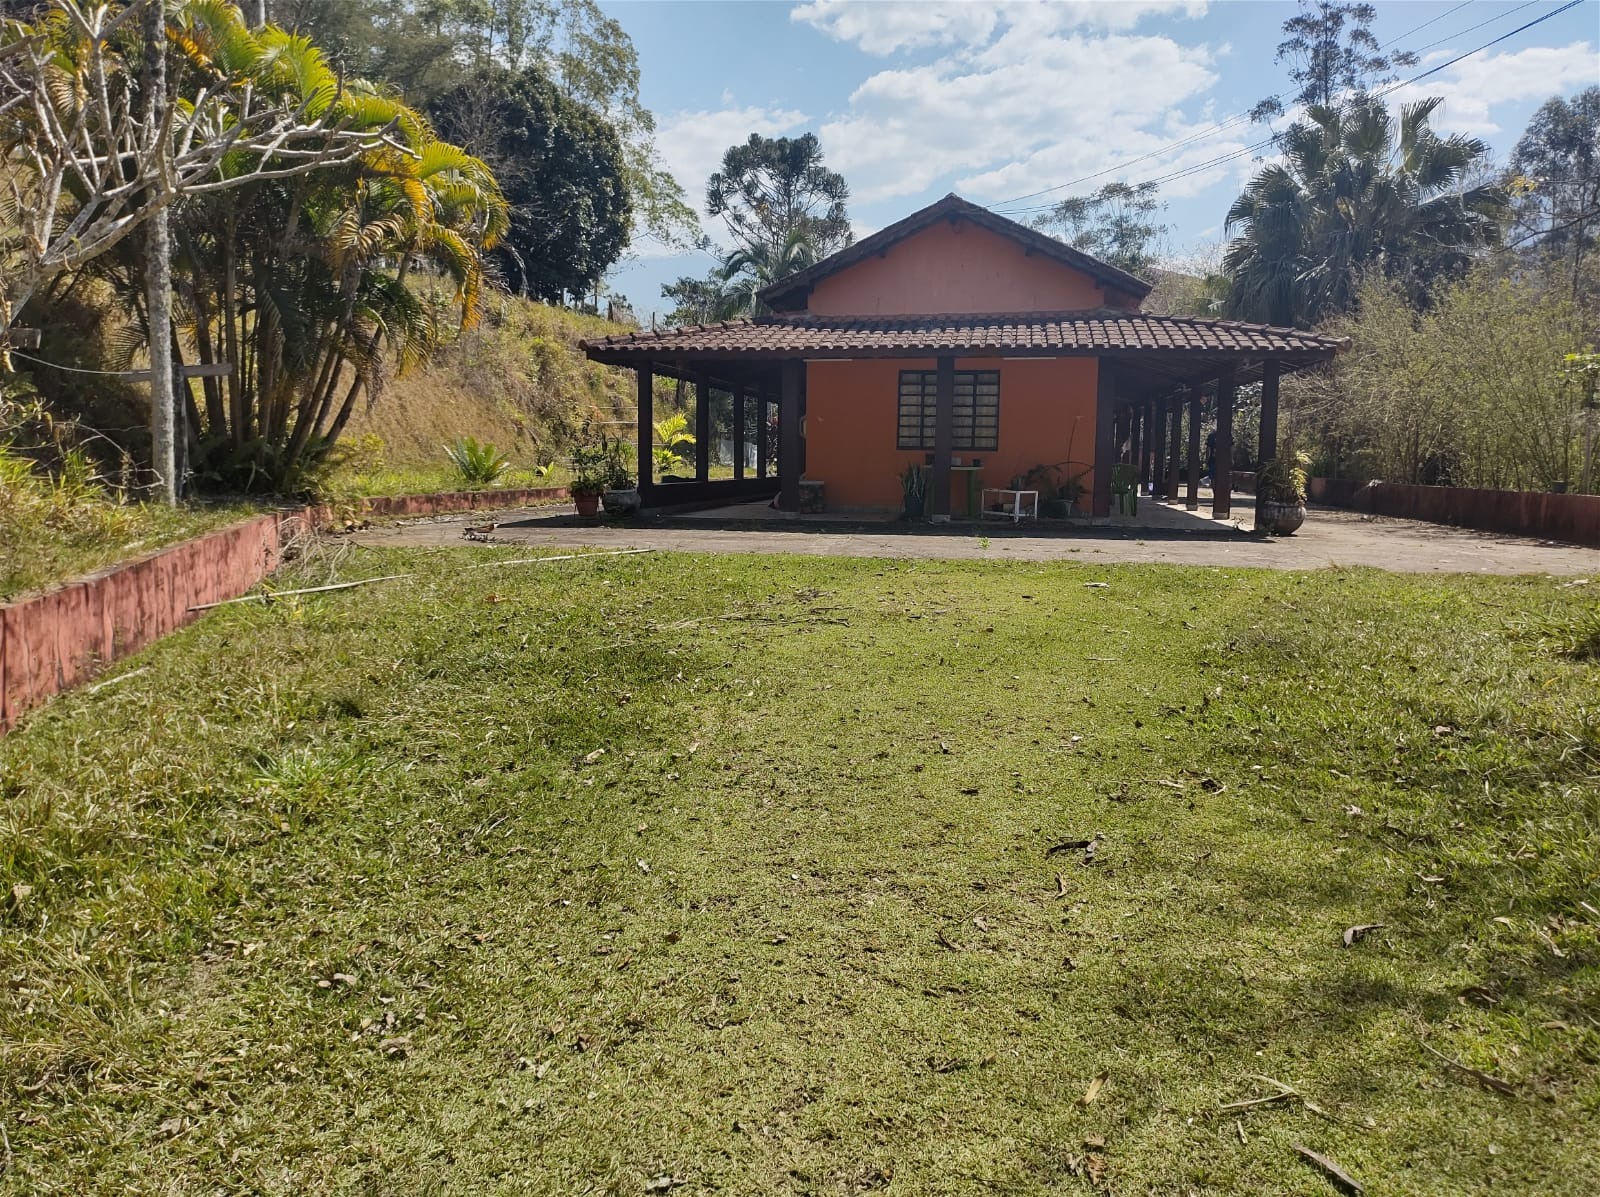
point(773, 188)
point(1357, 192)
point(1555, 172)
point(1471, 392)
point(1117, 224)
point(300, 282)
point(1333, 54)
point(561, 168)
point(429, 48)
point(694, 300)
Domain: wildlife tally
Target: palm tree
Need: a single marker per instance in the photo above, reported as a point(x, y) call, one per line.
point(747, 271)
point(302, 283)
point(1356, 193)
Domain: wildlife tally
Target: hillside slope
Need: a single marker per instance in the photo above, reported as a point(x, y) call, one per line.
point(518, 380)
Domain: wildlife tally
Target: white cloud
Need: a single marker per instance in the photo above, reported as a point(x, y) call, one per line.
point(887, 27)
point(894, 25)
point(1473, 87)
point(1023, 111)
point(692, 143)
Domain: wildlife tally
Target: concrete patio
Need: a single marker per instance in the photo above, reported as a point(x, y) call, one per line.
point(1163, 534)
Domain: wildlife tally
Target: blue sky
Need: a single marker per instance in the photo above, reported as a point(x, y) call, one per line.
point(996, 100)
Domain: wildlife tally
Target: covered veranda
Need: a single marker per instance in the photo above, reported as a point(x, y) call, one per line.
point(1157, 378)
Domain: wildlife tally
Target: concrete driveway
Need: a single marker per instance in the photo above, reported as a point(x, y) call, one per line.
point(1328, 538)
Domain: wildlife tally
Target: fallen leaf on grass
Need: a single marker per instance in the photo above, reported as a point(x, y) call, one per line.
point(1093, 1091)
point(1354, 935)
point(594, 756)
point(664, 1184)
point(397, 1048)
point(1338, 1175)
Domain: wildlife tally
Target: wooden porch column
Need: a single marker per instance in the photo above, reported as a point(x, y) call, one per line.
point(789, 437)
point(1192, 495)
point(763, 400)
point(1107, 448)
point(944, 430)
point(702, 428)
point(1158, 447)
point(1176, 449)
point(646, 438)
point(1267, 448)
point(1222, 477)
point(741, 399)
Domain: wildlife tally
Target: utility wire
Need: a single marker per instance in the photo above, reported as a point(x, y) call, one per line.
point(1196, 168)
point(1240, 117)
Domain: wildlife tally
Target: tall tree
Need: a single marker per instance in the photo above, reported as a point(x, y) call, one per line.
point(430, 47)
point(1332, 53)
point(110, 114)
point(1555, 172)
point(771, 188)
point(561, 168)
point(1117, 224)
point(1356, 193)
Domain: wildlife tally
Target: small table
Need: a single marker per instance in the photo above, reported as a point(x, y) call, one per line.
point(1012, 499)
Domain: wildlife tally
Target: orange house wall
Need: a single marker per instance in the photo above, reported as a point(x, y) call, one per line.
point(1047, 409)
point(948, 268)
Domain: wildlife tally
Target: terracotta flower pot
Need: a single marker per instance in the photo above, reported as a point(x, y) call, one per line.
point(587, 505)
point(1279, 519)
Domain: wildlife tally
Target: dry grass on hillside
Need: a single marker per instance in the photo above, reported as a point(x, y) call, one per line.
point(518, 380)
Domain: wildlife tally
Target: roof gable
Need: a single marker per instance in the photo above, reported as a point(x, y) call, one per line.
point(790, 294)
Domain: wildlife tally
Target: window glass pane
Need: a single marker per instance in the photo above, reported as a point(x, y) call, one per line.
point(975, 410)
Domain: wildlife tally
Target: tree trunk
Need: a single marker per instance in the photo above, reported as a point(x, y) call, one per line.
point(158, 275)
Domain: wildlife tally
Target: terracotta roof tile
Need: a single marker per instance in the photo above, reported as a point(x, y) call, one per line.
point(1109, 331)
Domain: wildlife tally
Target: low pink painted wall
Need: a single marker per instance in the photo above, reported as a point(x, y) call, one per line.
point(1571, 518)
point(53, 640)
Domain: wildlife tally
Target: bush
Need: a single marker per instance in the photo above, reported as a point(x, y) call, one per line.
point(478, 464)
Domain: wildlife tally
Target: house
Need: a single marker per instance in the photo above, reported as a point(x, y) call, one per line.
point(963, 341)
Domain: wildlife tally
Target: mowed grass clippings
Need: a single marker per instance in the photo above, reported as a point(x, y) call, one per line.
point(689, 874)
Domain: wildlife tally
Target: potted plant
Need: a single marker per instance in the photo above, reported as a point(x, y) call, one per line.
point(591, 473)
point(621, 494)
point(1281, 495)
point(914, 490)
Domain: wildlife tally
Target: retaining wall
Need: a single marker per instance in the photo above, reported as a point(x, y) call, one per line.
point(53, 640)
point(1572, 518)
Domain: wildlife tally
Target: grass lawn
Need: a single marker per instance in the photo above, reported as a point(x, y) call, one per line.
point(44, 541)
point(681, 874)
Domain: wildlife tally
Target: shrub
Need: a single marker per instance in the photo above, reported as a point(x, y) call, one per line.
point(478, 464)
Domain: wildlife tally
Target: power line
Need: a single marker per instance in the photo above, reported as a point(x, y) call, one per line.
point(1237, 118)
point(1196, 168)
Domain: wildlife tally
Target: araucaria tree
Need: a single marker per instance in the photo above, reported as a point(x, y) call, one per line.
point(1358, 192)
point(1334, 55)
point(772, 188)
